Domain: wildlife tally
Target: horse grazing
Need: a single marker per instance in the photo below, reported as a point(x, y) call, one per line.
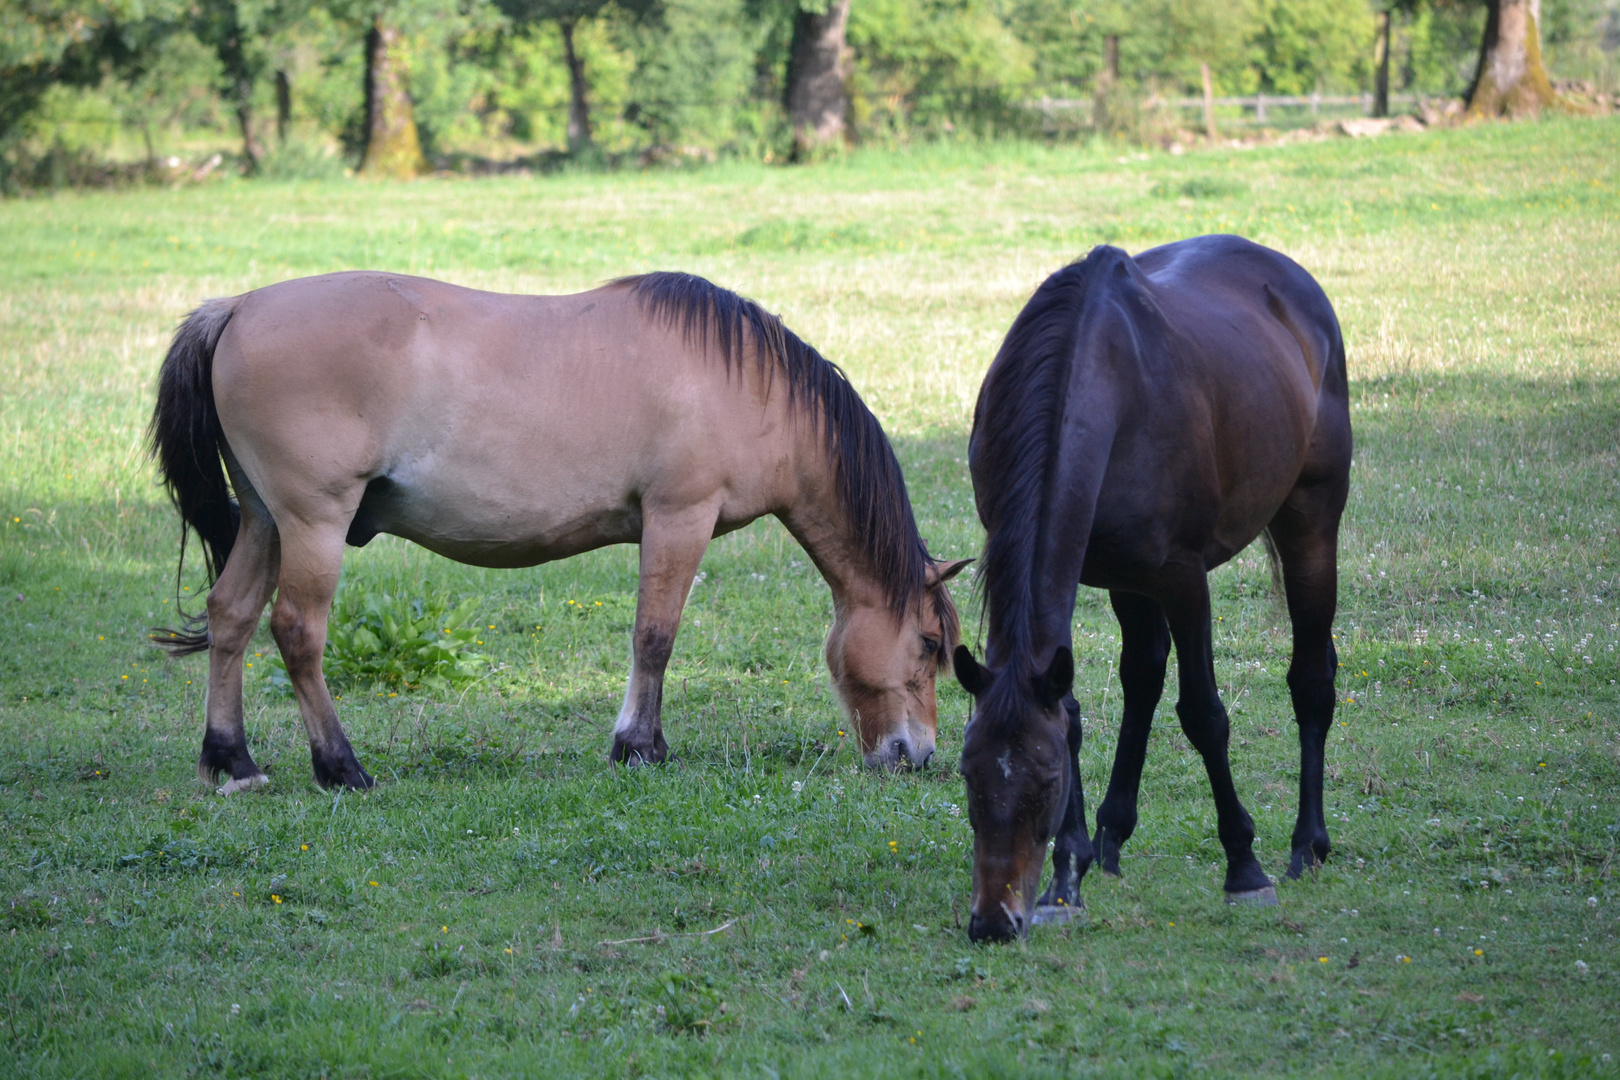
point(1144, 421)
point(507, 431)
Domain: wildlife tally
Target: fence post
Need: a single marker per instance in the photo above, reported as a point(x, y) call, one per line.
point(1316, 102)
point(1366, 103)
point(1209, 103)
point(1259, 108)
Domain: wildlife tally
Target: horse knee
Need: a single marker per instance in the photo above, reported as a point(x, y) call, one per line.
point(231, 622)
point(1205, 727)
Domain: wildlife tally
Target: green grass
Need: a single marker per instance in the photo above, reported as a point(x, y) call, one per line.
point(451, 922)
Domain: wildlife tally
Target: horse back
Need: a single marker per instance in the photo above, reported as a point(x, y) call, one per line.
point(541, 425)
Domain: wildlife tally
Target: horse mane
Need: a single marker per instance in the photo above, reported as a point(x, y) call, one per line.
point(1014, 443)
point(870, 486)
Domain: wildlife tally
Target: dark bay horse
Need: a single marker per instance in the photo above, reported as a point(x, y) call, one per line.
point(1143, 422)
point(508, 431)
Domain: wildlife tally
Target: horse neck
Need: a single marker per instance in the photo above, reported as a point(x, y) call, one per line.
point(817, 520)
point(1029, 628)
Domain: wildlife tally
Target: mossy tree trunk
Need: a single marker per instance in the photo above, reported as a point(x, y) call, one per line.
point(818, 64)
point(392, 146)
point(1510, 79)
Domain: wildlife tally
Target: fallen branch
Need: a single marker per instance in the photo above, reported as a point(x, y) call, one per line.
point(657, 937)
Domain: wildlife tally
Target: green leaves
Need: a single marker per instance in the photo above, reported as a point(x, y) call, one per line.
point(409, 644)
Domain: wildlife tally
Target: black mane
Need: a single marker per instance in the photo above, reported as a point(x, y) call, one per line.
point(871, 488)
point(1015, 435)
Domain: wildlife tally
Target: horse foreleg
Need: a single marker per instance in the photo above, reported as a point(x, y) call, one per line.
point(1310, 579)
point(235, 604)
point(311, 559)
point(672, 546)
point(1143, 654)
point(1072, 852)
point(1204, 722)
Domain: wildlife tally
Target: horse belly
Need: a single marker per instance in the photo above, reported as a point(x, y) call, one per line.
point(500, 519)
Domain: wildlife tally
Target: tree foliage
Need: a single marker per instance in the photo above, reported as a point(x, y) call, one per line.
point(671, 79)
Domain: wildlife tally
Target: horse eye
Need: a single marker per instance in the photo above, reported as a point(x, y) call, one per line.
point(930, 646)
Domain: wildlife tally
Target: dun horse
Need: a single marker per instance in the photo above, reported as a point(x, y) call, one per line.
point(1144, 421)
point(507, 431)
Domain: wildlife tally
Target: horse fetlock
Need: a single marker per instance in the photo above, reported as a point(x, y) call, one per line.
point(1109, 841)
point(1310, 853)
point(632, 747)
point(1245, 880)
point(340, 769)
point(225, 754)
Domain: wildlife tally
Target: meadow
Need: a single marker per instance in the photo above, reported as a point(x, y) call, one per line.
point(505, 903)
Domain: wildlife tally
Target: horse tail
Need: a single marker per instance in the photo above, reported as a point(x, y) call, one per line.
point(185, 439)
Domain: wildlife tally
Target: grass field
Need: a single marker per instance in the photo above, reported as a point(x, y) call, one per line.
point(506, 904)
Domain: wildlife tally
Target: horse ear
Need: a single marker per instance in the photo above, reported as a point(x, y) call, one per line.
point(1058, 680)
point(974, 678)
point(941, 572)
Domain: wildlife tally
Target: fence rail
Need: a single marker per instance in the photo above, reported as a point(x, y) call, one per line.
point(1259, 103)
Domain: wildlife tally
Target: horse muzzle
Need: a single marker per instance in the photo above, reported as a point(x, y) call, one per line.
point(901, 751)
point(1006, 922)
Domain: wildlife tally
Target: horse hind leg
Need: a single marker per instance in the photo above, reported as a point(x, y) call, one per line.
point(311, 559)
point(672, 546)
point(235, 604)
point(1308, 548)
point(1204, 722)
point(1143, 656)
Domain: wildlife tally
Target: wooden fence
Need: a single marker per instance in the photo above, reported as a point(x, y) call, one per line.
point(1257, 104)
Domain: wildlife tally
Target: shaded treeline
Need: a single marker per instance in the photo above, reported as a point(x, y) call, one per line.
point(396, 86)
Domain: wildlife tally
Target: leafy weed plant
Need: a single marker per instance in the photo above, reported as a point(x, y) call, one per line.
point(374, 639)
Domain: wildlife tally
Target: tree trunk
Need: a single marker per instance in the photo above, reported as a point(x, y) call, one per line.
point(579, 104)
point(283, 106)
point(233, 58)
point(1510, 80)
point(392, 146)
point(1381, 85)
point(818, 64)
point(251, 147)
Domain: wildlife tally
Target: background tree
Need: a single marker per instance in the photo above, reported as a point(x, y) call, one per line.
point(568, 15)
point(1303, 46)
point(45, 43)
point(393, 147)
point(818, 67)
point(1510, 79)
point(237, 38)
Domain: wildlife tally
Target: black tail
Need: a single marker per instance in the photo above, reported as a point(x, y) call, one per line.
point(185, 440)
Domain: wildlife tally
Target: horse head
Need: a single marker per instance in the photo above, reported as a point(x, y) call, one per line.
point(884, 664)
point(1013, 759)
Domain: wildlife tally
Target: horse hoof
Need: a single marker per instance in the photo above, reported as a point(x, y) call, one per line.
point(246, 783)
point(1266, 897)
point(1059, 914)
